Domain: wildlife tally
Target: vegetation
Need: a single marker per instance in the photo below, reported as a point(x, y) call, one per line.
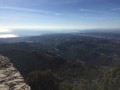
point(111, 80)
point(43, 81)
point(67, 62)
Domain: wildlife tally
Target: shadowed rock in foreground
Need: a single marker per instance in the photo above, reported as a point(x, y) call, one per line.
point(10, 78)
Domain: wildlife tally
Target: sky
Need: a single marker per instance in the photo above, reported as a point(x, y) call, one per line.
point(59, 14)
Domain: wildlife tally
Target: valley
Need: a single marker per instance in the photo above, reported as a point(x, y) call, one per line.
point(79, 62)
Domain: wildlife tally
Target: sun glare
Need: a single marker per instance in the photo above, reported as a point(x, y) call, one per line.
point(8, 36)
point(2, 29)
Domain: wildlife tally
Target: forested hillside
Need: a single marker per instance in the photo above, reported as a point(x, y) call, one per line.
point(73, 62)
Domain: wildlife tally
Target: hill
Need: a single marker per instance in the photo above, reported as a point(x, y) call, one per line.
point(77, 62)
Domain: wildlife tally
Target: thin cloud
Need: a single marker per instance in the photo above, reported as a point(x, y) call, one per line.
point(31, 10)
point(97, 18)
point(60, 1)
point(23, 9)
point(11, 18)
point(93, 11)
point(105, 14)
point(57, 14)
point(116, 9)
point(100, 18)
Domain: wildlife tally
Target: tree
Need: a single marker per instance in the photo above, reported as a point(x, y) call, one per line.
point(43, 81)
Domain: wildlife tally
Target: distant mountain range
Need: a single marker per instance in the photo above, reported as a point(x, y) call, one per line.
point(29, 35)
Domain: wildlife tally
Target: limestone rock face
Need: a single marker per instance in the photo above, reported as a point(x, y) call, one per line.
point(10, 78)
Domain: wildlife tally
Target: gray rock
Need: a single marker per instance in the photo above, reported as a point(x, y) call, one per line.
point(10, 78)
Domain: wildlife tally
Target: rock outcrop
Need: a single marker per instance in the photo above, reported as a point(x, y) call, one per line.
point(10, 78)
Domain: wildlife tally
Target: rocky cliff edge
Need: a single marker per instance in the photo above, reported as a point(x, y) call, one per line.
point(10, 78)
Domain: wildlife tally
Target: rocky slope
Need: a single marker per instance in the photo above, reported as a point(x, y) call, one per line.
point(10, 78)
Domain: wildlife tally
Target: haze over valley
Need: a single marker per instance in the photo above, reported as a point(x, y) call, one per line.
point(59, 45)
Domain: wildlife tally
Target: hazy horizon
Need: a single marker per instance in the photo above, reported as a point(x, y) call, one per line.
point(57, 16)
point(34, 32)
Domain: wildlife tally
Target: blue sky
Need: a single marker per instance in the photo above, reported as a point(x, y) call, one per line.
point(59, 14)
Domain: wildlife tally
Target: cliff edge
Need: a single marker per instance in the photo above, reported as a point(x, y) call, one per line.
point(10, 78)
